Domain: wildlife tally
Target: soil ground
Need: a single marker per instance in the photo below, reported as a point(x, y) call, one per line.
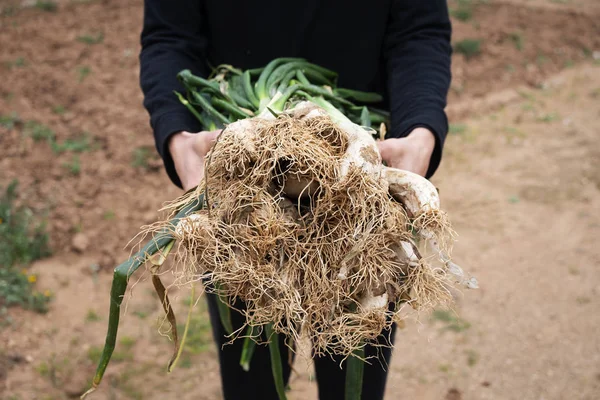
point(519, 178)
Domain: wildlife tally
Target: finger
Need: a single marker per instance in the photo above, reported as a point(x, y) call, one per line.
point(384, 150)
point(203, 141)
point(212, 135)
point(401, 163)
point(193, 176)
point(410, 164)
point(391, 150)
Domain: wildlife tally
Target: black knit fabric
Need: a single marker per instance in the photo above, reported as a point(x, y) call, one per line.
point(400, 49)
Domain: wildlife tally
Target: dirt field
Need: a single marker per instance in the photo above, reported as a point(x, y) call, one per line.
point(520, 179)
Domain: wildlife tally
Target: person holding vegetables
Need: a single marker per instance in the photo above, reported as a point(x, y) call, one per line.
point(398, 48)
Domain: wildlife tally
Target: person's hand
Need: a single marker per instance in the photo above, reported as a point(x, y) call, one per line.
point(188, 151)
point(411, 153)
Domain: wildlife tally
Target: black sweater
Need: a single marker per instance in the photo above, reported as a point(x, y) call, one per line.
point(399, 48)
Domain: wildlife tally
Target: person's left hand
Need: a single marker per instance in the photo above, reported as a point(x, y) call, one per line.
point(411, 153)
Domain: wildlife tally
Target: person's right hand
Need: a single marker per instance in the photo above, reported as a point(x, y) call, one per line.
point(188, 151)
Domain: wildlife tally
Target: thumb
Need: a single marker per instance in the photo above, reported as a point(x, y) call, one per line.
point(390, 150)
point(204, 141)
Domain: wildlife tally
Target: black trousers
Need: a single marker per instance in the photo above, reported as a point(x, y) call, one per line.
point(257, 383)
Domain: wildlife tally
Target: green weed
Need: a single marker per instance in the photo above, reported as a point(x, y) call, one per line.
point(8, 11)
point(587, 52)
point(10, 121)
point(20, 62)
point(91, 39)
point(512, 132)
point(17, 63)
point(456, 88)
point(57, 370)
point(541, 59)
point(445, 368)
point(468, 47)
point(141, 314)
point(127, 342)
point(527, 95)
point(79, 144)
point(472, 358)
point(123, 382)
point(108, 215)
point(549, 117)
point(22, 240)
point(583, 300)
point(452, 321)
point(185, 362)
point(92, 316)
point(457, 129)
point(43, 369)
point(78, 227)
point(462, 14)
point(59, 110)
point(122, 355)
point(140, 157)
point(82, 72)
point(49, 6)
point(74, 165)
point(94, 354)
point(527, 107)
point(518, 40)
point(464, 11)
point(39, 132)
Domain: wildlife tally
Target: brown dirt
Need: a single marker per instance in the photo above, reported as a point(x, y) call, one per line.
point(519, 179)
point(520, 45)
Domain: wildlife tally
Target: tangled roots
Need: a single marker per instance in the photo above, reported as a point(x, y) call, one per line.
point(314, 250)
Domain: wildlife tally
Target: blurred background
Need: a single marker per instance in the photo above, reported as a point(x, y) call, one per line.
point(520, 178)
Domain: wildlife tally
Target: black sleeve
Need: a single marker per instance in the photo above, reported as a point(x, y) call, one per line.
point(417, 54)
point(171, 41)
